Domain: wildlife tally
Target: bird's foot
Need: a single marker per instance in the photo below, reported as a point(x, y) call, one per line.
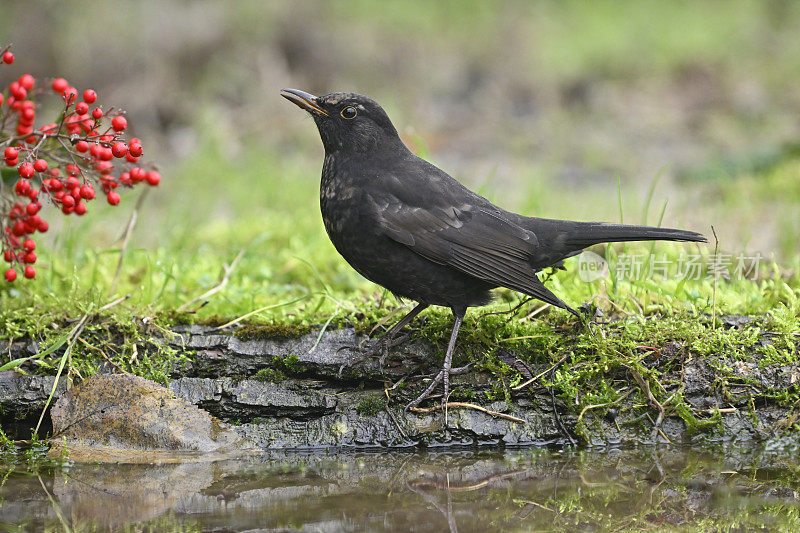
point(379, 348)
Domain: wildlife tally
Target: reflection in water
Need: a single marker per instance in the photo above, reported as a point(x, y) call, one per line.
point(511, 490)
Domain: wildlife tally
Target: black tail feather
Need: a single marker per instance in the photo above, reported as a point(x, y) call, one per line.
point(587, 234)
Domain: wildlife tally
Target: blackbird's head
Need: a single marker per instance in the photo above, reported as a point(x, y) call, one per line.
point(347, 122)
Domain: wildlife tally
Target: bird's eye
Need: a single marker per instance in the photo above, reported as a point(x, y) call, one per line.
point(349, 112)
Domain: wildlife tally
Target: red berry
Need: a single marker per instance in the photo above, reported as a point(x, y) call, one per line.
point(55, 185)
point(11, 162)
point(119, 149)
point(43, 226)
point(8, 255)
point(81, 108)
point(80, 208)
point(18, 91)
point(40, 165)
point(82, 146)
point(97, 113)
point(72, 182)
point(153, 177)
point(11, 274)
point(60, 85)
point(30, 272)
point(8, 58)
point(29, 257)
point(22, 187)
point(67, 201)
point(113, 198)
point(106, 154)
point(29, 245)
point(27, 81)
point(119, 123)
point(104, 167)
point(87, 192)
point(26, 170)
point(89, 96)
point(33, 208)
point(11, 152)
point(135, 149)
point(70, 94)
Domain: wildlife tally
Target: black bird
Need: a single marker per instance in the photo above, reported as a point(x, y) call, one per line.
point(408, 226)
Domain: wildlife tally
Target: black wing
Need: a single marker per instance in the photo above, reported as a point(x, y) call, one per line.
point(438, 218)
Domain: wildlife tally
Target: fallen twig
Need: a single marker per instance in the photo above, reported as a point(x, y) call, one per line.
point(96, 349)
point(540, 374)
point(468, 406)
point(652, 399)
point(109, 305)
point(599, 405)
point(251, 313)
point(221, 285)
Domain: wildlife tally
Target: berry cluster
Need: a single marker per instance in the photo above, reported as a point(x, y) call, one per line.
point(61, 163)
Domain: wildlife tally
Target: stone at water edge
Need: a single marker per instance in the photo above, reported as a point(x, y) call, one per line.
point(126, 418)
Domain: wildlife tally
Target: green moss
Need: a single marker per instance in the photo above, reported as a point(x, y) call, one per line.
point(251, 332)
point(270, 374)
point(290, 364)
point(371, 406)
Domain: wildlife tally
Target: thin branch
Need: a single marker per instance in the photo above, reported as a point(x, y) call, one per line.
point(540, 374)
point(645, 386)
point(714, 297)
point(111, 304)
point(251, 313)
point(599, 405)
point(468, 406)
point(95, 348)
point(126, 238)
point(221, 285)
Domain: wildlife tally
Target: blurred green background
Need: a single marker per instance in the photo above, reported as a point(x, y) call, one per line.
point(544, 107)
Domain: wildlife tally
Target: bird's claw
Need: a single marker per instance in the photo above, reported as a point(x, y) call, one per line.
point(379, 348)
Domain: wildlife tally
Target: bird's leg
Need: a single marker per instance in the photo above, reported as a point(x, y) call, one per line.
point(381, 346)
point(444, 375)
point(448, 357)
point(386, 339)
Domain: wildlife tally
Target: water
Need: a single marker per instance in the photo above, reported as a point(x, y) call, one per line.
point(511, 490)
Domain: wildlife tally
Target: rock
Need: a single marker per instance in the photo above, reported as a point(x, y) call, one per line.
point(22, 398)
point(126, 418)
